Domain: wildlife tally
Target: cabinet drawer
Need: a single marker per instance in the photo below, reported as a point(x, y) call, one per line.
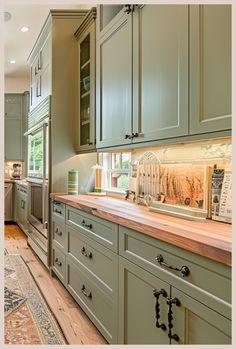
point(59, 263)
point(58, 210)
point(98, 259)
point(204, 273)
point(59, 235)
point(97, 305)
point(104, 232)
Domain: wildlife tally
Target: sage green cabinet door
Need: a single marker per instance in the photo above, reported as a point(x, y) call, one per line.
point(160, 72)
point(195, 323)
point(114, 83)
point(137, 304)
point(13, 126)
point(210, 68)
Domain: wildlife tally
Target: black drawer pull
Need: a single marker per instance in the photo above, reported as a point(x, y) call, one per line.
point(86, 253)
point(58, 262)
point(59, 233)
point(57, 211)
point(157, 295)
point(86, 292)
point(171, 301)
point(84, 224)
point(184, 269)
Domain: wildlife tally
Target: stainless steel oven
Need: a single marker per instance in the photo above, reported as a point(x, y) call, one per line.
point(38, 193)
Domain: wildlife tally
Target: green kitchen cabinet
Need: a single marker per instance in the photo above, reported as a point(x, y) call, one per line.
point(158, 82)
point(16, 108)
point(198, 302)
point(210, 68)
point(85, 36)
point(13, 127)
point(145, 319)
point(20, 204)
point(196, 323)
point(114, 82)
point(139, 307)
point(143, 75)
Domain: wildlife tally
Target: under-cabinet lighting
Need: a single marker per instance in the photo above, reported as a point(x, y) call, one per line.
point(12, 61)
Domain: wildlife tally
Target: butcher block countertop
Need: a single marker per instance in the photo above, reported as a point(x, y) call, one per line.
point(210, 239)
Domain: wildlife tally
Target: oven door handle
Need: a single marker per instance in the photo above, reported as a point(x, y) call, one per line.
point(35, 129)
point(44, 208)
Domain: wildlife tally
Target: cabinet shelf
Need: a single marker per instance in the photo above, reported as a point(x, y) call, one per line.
point(85, 94)
point(85, 64)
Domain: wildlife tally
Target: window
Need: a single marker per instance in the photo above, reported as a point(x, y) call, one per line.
point(118, 170)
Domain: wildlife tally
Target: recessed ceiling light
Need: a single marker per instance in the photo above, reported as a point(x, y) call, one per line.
point(7, 16)
point(24, 29)
point(12, 61)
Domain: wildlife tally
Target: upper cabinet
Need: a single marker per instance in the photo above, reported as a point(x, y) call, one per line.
point(210, 68)
point(162, 73)
point(85, 36)
point(49, 60)
point(16, 109)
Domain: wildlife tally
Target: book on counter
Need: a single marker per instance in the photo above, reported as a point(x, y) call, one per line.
point(221, 195)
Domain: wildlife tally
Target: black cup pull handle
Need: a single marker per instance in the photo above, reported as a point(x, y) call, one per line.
point(58, 262)
point(184, 269)
point(86, 253)
point(58, 232)
point(128, 9)
point(58, 211)
point(86, 292)
point(157, 295)
point(88, 226)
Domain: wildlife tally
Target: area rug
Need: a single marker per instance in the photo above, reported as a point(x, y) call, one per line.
point(28, 318)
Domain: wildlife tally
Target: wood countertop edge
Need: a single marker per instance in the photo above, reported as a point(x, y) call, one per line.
point(207, 247)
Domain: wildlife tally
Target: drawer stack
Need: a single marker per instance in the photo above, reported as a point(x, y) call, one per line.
point(85, 259)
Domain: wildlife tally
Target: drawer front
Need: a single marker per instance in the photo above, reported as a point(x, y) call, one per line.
point(102, 262)
point(59, 263)
point(59, 235)
point(58, 210)
point(100, 230)
point(97, 305)
point(155, 256)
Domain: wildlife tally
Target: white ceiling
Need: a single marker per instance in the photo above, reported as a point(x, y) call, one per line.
point(17, 45)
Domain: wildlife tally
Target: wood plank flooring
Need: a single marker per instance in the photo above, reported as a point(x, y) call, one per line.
point(75, 324)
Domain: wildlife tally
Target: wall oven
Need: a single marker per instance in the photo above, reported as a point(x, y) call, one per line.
point(38, 194)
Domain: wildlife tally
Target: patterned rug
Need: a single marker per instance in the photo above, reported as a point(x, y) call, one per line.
point(28, 319)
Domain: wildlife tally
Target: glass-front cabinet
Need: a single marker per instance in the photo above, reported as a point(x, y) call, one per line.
point(85, 36)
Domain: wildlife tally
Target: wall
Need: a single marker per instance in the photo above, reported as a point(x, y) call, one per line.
point(16, 84)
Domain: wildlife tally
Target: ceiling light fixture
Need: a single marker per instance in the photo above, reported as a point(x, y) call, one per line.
point(12, 61)
point(24, 29)
point(7, 16)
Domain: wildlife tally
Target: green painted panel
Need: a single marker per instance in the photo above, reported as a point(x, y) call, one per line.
point(195, 323)
point(101, 230)
point(137, 323)
point(210, 68)
point(100, 308)
point(94, 256)
point(59, 263)
point(163, 71)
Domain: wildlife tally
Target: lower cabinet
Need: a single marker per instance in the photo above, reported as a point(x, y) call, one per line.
point(151, 293)
point(154, 312)
point(20, 198)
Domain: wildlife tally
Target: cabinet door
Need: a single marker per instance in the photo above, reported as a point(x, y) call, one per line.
point(86, 87)
point(196, 323)
point(137, 304)
point(114, 83)
point(13, 127)
point(210, 68)
point(160, 72)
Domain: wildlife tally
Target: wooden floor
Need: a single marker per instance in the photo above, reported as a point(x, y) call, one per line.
point(75, 324)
